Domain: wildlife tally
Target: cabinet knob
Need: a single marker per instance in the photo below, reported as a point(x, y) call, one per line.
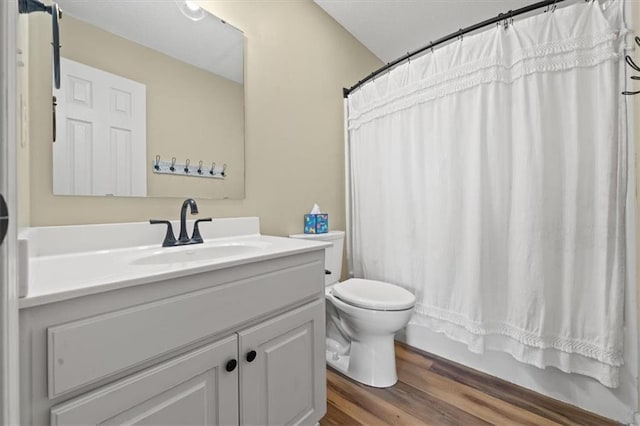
point(231, 365)
point(251, 355)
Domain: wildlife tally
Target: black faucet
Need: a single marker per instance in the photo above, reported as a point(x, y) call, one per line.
point(183, 239)
point(191, 203)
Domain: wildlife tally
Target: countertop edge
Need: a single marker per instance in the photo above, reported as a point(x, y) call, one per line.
point(63, 295)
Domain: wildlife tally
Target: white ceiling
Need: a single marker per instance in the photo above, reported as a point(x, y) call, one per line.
point(391, 28)
point(210, 43)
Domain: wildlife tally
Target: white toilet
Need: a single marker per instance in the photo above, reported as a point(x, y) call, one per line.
point(362, 318)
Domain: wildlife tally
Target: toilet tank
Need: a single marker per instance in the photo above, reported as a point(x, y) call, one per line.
point(332, 255)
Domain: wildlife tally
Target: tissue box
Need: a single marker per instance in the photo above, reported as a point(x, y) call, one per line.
point(316, 223)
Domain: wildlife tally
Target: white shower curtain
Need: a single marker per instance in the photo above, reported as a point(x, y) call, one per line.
point(489, 178)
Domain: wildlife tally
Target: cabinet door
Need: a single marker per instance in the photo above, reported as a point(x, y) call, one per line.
point(192, 389)
point(286, 381)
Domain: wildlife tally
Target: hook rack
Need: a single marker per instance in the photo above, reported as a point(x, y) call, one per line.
point(186, 169)
point(633, 66)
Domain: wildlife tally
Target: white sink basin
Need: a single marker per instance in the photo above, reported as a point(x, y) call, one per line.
point(198, 253)
point(64, 262)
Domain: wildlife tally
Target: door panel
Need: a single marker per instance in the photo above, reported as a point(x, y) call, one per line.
point(184, 405)
point(79, 148)
point(285, 383)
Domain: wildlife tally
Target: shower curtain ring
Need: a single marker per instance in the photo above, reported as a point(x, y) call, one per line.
point(460, 35)
point(508, 20)
point(431, 46)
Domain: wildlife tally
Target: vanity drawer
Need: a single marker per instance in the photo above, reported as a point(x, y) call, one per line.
point(85, 351)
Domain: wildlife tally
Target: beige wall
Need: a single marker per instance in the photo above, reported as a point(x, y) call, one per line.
point(191, 113)
point(297, 61)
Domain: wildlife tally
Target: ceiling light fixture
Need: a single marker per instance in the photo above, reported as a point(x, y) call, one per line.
point(191, 10)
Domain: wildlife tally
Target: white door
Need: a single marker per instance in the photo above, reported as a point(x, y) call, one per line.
point(8, 189)
point(100, 146)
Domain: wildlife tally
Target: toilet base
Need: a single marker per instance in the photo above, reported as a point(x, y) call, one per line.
point(376, 370)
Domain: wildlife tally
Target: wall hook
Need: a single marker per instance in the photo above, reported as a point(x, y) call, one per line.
point(213, 167)
point(157, 164)
point(631, 63)
point(173, 164)
point(186, 166)
point(200, 167)
point(634, 67)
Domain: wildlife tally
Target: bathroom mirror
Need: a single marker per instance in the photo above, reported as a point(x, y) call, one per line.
point(146, 84)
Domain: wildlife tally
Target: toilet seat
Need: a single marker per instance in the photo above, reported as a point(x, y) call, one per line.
point(375, 295)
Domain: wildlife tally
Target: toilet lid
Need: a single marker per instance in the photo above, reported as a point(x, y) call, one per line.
point(376, 295)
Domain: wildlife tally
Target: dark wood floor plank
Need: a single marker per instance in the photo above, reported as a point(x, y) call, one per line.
point(336, 397)
point(477, 403)
point(526, 399)
point(419, 358)
point(425, 407)
point(377, 406)
point(556, 411)
point(336, 417)
point(435, 391)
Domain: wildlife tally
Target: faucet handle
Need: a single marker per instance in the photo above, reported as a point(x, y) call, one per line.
point(196, 237)
point(169, 238)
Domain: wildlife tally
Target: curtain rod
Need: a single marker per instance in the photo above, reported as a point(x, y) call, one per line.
point(462, 31)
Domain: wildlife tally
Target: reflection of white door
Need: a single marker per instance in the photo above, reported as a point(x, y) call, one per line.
point(100, 146)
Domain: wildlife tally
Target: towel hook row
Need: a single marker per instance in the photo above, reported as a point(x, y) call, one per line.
point(186, 169)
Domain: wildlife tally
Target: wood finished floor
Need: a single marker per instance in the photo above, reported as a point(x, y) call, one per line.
point(434, 391)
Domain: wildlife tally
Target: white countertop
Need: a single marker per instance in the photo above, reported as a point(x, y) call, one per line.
point(56, 275)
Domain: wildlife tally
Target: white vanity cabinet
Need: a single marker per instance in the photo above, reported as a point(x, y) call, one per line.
point(239, 345)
